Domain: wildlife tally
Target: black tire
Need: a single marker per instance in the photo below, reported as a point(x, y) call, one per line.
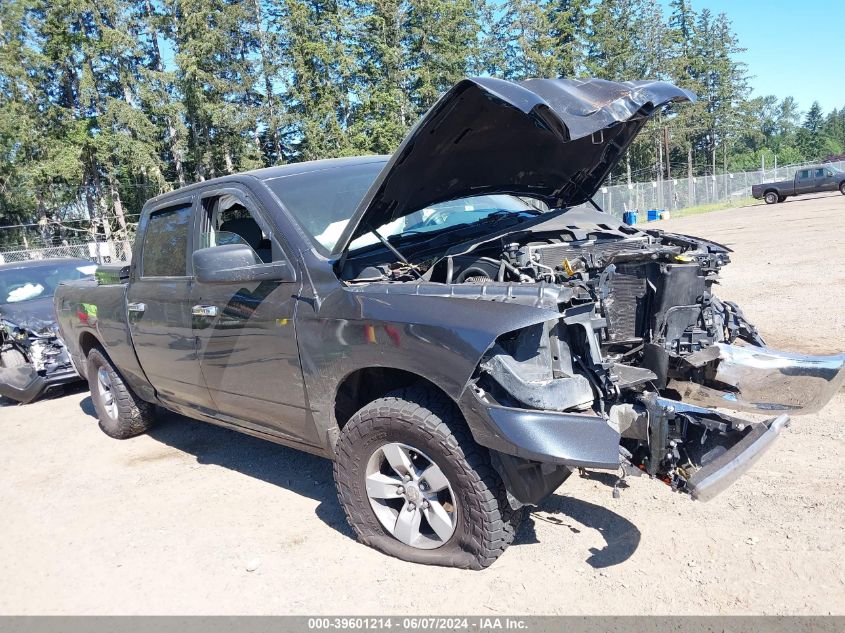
point(485, 523)
point(842, 188)
point(132, 416)
point(781, 198)
point(771, 197)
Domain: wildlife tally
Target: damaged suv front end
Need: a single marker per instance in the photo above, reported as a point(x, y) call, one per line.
point(633, 362)
point(33, 358)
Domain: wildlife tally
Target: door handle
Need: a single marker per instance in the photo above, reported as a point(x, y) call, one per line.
point(136, 307)
point(205, 311)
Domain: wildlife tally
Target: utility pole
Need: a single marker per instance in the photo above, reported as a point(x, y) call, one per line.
point(666, 145)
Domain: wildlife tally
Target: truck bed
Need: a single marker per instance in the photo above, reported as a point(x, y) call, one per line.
point(783, 187)
point(93, 313)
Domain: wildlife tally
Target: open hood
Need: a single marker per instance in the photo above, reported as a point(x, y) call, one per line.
point(553, 139)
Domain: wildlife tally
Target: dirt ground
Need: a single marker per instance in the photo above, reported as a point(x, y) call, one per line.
point(170, 522)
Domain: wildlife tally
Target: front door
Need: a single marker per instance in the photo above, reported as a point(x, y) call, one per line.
point(825, 180)
point(159, 307)
point(244, 331)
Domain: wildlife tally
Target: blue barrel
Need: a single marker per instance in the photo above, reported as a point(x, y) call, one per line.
point(653, 214)
point(629, 217)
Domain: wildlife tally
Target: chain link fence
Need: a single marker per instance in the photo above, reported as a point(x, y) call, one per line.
point(682, 192)
point(100, 252)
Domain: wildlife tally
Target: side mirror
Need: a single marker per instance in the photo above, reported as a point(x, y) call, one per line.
point(236, 263)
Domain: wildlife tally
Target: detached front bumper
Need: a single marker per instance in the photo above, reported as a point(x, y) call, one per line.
point(759, 380)
point(24, 384)
point(540, 446)
point(717, 475)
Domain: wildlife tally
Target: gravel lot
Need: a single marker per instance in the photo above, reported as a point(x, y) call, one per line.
point(170, 522)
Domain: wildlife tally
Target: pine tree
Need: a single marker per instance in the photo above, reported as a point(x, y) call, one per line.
point(271, 117)
point(685, 69)
point(542, 38)
point(626, 40)
point(214, 44)
point(441, 37)
point(158, 92)
point(23, 150)
point(723, 82)
point(381, 86)
point(810, 139)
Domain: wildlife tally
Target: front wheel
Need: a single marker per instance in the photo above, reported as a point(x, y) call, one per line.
point(781, 198)
point(842, 188)
point(122, 414)
point(771, 197)
point(415, 485)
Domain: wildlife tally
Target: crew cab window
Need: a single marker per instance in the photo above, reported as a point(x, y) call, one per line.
point(820, 173)
point(803, 174)
point(227, 220)
point(166, 242)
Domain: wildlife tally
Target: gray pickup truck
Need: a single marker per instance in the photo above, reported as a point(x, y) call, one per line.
point(443, 324)
point(807, 180)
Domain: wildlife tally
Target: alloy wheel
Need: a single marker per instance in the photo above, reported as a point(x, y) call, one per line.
point(411, 496)
point(104, 387)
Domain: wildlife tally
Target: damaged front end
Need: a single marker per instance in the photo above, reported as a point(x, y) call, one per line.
point(482, 200)
point(637, 369)
point(32, 362)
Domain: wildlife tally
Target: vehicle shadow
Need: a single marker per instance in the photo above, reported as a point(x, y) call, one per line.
point(311, 476)
point(620, 535)
point(294, 470)
point(804, 197)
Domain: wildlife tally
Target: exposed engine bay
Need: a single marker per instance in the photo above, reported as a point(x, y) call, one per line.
point(31, 361)
point(642, 342)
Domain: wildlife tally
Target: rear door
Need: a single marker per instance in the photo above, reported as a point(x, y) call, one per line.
point(245, 333)
point(159, 305)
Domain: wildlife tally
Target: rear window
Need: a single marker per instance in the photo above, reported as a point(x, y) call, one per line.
point(166, 242)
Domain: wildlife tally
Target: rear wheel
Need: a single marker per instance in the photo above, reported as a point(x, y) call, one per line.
point(122, 414)
point(771, 197)
point(415, 485)
point(781, 198)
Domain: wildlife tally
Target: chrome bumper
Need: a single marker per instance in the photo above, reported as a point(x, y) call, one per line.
point(759, 379)
point(717, 475)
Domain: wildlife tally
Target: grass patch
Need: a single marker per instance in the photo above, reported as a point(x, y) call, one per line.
point(716, 206)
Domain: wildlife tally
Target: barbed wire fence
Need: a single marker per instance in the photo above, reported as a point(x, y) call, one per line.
point(71, 232)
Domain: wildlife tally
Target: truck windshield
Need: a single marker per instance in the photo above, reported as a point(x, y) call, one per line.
point(326, 197)
point(28, 282)
point(435, 218)
point(323, 202)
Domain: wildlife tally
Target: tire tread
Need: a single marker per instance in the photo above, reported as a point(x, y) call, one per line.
point(495, 523)
point(135, 416)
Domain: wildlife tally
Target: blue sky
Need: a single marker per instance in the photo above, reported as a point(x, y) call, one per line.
point(794, 47)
